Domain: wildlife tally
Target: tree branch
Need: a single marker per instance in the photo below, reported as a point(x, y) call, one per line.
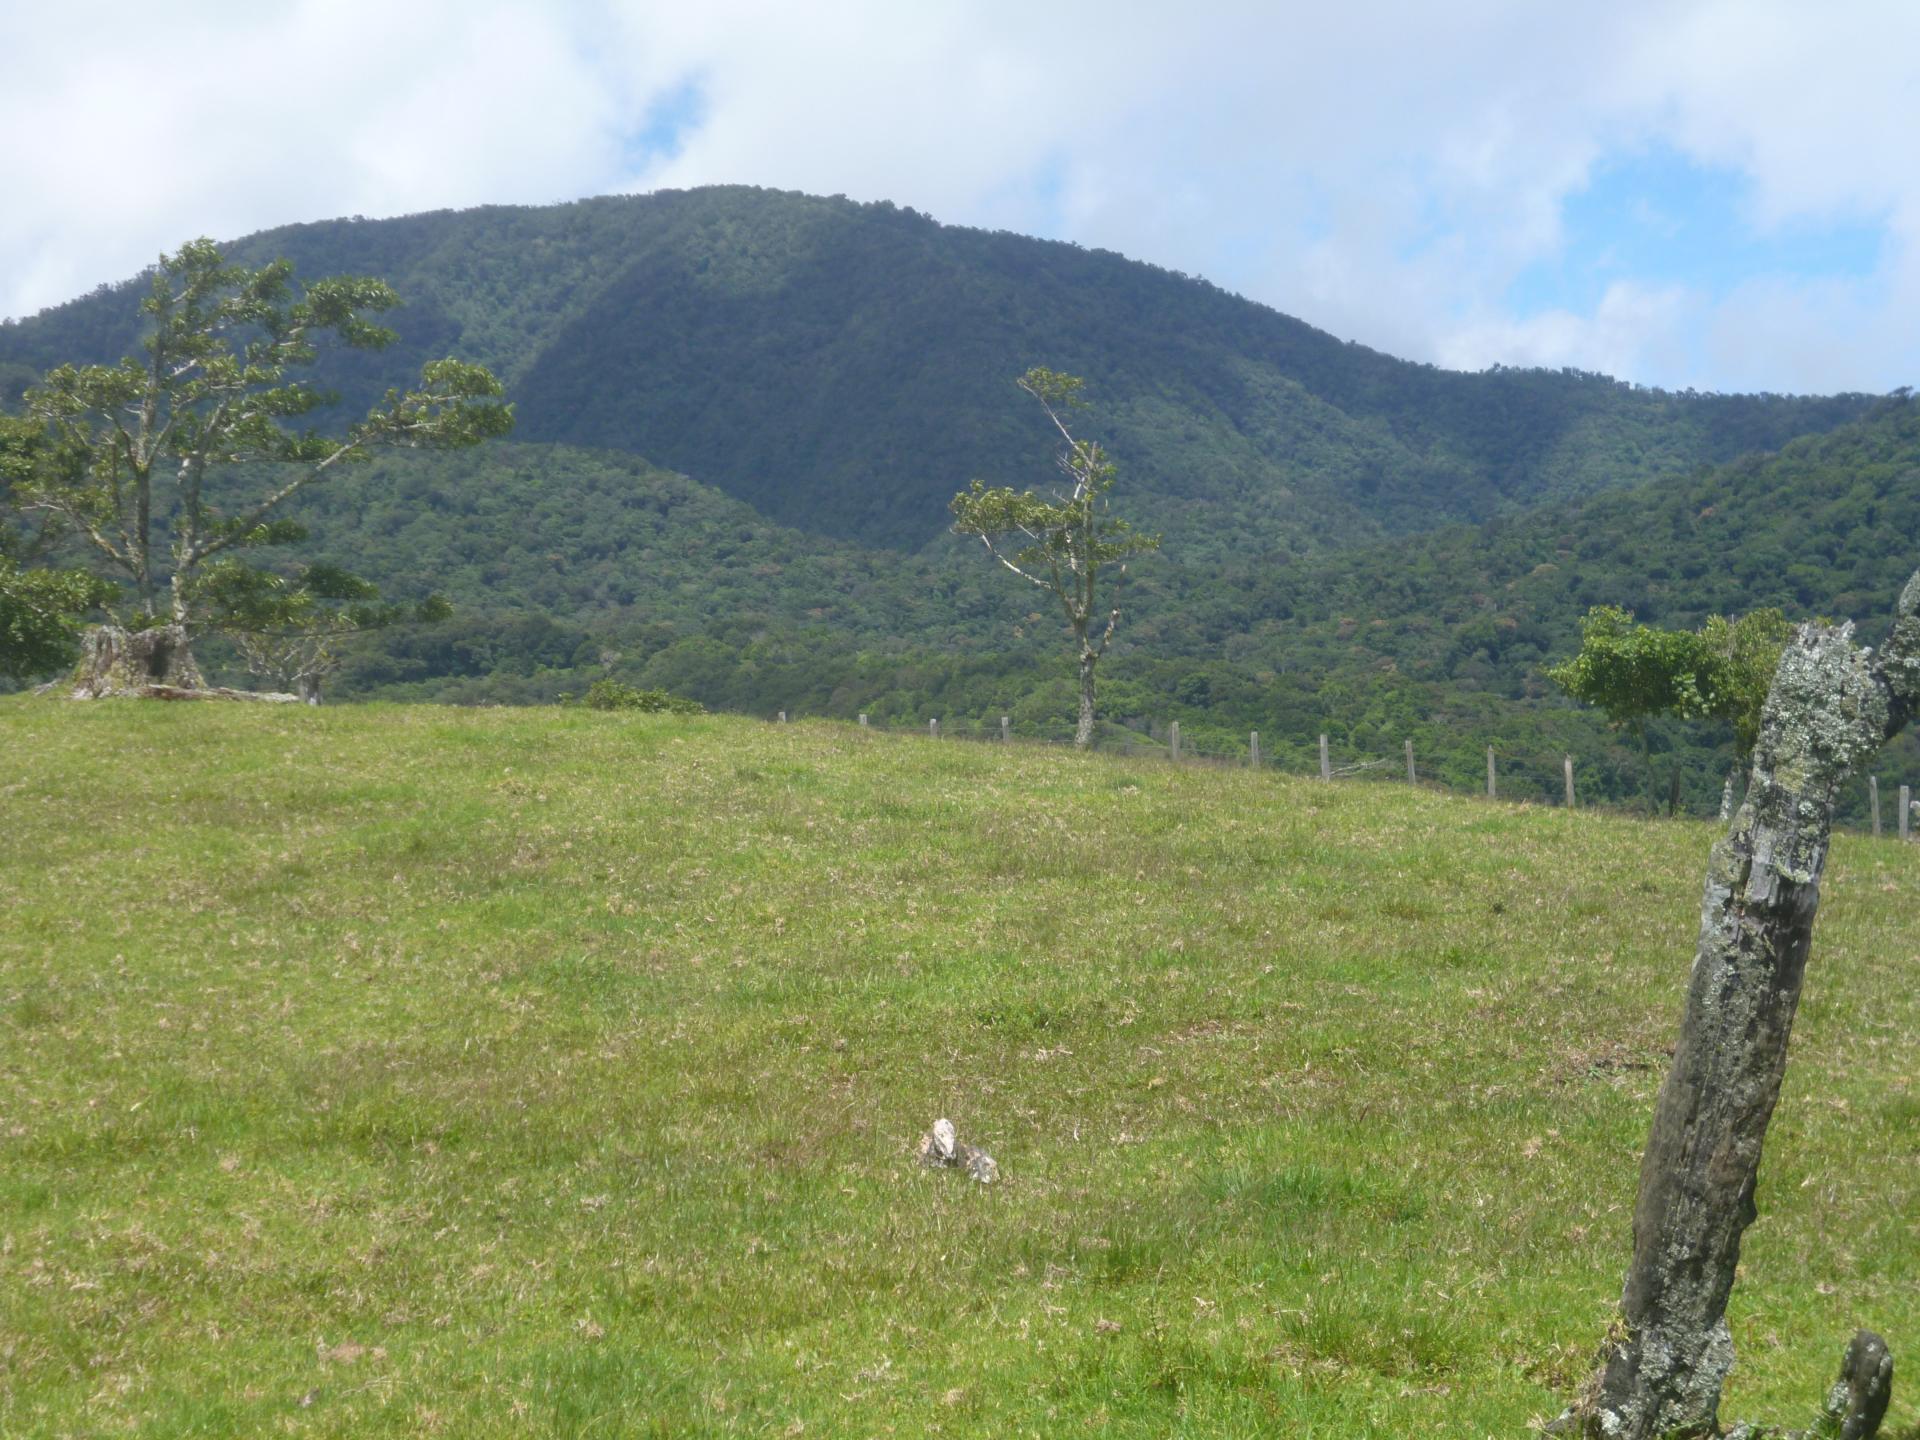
point(244, 524)
point(1030, 579)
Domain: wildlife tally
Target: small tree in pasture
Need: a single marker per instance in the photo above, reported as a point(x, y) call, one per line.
point(1063, 542)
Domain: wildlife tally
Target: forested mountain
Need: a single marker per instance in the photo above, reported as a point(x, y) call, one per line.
point(742, 413)
point(609, 566)
point(845, 368)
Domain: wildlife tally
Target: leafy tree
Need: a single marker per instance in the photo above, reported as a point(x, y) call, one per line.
point(1635, 673)
point(197, 439)
point(1066, 539)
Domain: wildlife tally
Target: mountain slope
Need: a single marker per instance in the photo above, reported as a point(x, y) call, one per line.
point(845, 368)
point(1828, 526)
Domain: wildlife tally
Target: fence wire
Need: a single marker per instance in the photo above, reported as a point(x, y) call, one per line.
point(1518, 779)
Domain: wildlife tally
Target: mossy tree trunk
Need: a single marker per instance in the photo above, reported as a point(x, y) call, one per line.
point(115, 661)
point(1831, 707)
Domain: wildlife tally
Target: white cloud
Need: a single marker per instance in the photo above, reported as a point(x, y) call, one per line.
point(1383, 170)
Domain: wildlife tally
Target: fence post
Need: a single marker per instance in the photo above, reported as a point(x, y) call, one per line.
point(1493, 791)
point(1567, 763)
point(1411, 778)
point(1906, 808)
point(1326, 765)
point(1253, 749)
point(1006, 729)
point(1726, 799)
point(1873, 802)
point(1173, 741)
point(863, 717)
point(933, 728)
point(783, 717)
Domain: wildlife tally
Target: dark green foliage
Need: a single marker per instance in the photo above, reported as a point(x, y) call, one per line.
point(612, 695)
point(294, 629)
point(1636, 672)
point(569, 565)
point(839, 367)
point(41, 605)
point(40, 613)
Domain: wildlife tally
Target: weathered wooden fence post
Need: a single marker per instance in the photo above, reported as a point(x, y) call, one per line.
point(1667, 1354)
point(1412, 779)
point(1173, 741)
point(1253, 750)
point(863, 717)
point(1326, 765)
point(1006, 729)
point(1873, 802)
point(783, 717)
point(1567, 764)
point(933, 729)
point(1493, 790)
point(1906, 810)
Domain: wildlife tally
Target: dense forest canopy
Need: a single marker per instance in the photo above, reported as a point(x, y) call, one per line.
point(742, 414)
point(845, 368)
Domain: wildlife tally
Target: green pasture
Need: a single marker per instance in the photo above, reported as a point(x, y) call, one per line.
point(407, 1071)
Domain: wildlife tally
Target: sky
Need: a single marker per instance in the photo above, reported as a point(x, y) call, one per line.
point(1699, 194)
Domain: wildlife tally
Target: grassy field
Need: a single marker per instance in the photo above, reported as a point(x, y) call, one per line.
point(410, 1071)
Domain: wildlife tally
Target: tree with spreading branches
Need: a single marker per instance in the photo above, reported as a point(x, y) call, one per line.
point(184, 456)
point(294, 629)
point(1063, 542)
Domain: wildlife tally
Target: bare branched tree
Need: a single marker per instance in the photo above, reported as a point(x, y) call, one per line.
point(1062, 542)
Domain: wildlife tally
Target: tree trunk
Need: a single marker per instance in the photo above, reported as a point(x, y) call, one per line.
point(1831, 707)
point(309, 689)
point(114, 661)
point(1083, 732)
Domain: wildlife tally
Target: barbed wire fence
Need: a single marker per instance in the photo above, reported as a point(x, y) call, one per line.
point(1520, 777)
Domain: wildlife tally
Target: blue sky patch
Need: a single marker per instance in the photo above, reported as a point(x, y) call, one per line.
point(1658, 218)
point(663, 130)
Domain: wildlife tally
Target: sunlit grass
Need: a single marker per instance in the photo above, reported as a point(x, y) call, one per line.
point(395, 1071)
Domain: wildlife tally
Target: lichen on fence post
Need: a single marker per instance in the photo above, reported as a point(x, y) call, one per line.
point(1831, 707)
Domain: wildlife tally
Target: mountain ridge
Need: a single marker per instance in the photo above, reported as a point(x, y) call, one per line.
point(845, 368)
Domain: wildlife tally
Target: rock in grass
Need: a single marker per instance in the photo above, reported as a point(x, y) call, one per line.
point(940, 1148)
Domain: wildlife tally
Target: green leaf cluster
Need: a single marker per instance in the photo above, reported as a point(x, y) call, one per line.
point(41, 604)
point(1636, 672)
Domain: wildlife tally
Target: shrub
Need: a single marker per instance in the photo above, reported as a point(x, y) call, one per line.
point(612, 695)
